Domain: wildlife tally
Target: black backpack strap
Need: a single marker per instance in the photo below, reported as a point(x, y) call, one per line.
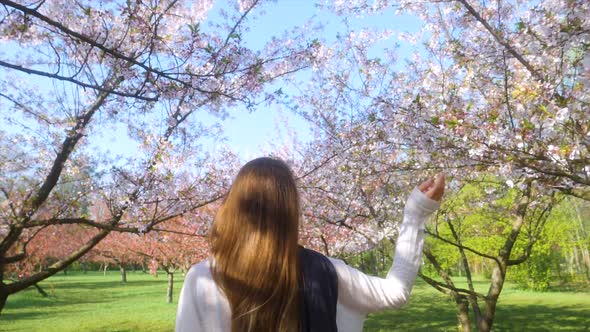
point(319, 292)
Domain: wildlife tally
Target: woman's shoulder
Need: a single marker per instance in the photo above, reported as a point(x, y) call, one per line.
point(200, 270)
point(336, 261)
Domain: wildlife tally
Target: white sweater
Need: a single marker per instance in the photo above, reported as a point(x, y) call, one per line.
point(202, 307)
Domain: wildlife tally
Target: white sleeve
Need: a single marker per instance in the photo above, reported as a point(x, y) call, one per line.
point(187, 317)
point(366, 294)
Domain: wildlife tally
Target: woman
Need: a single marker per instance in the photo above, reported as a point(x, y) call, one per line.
point(259, 279)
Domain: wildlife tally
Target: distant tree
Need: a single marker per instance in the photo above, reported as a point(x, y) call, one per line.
point(114, 249)
point(484, 221)
point(561, 253)
point(182, 245)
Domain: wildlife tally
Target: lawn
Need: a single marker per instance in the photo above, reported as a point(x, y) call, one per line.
point(518, 310)
point(94, 302)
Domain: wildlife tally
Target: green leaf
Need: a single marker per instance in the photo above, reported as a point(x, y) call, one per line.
point(194, 28)
point(451, 123)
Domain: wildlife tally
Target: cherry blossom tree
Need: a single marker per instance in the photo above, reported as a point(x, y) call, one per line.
point(346, 208)
point(491, 88)
point(184, 244)
point(115, 249)
point(73, 72)
point(496, 86)
point(49, 245)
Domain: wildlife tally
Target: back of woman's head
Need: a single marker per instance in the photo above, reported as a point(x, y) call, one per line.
point(254, 243)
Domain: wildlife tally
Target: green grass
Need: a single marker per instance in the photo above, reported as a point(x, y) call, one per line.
point(94, 302)
point(518, 310)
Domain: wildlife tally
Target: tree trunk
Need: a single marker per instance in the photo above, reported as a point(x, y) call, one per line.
point(104, 272)
point(557, 268)
point(570, 263)
point(84, 267)
point(170, 287)
point(577, 261)
point(382, 251)
point(362, 262)
point(586, 260)
point(461, 301)
point(3, 297)
point(463, 314)
point(581, 237)
point(465, 262)
point(584, 265)
point(499, 272)
point(123, 273)
point(498, 278)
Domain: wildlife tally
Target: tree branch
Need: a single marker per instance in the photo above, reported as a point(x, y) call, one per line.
point(86, 39)
point(446, 289)
point(77, 82)
point(502, 41)
point(461, 246)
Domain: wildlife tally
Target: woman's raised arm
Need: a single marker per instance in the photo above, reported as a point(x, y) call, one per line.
point(365, 293)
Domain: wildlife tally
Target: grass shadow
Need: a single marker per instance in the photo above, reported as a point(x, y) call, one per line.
point(425, 312)
point(534, 317)
point(433, 312)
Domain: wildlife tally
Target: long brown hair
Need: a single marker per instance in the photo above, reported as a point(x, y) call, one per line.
point(254, 244)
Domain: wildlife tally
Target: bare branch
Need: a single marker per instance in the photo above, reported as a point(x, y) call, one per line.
point(501, 40)
point(446, 289)
point(461, 246)
point(77, 82)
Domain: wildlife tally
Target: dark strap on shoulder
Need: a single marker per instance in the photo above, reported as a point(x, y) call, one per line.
point(319, 292)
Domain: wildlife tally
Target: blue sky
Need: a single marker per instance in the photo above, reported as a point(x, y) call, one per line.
point(248, 133)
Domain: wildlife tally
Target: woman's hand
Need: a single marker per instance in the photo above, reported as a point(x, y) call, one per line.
point(434, 188)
